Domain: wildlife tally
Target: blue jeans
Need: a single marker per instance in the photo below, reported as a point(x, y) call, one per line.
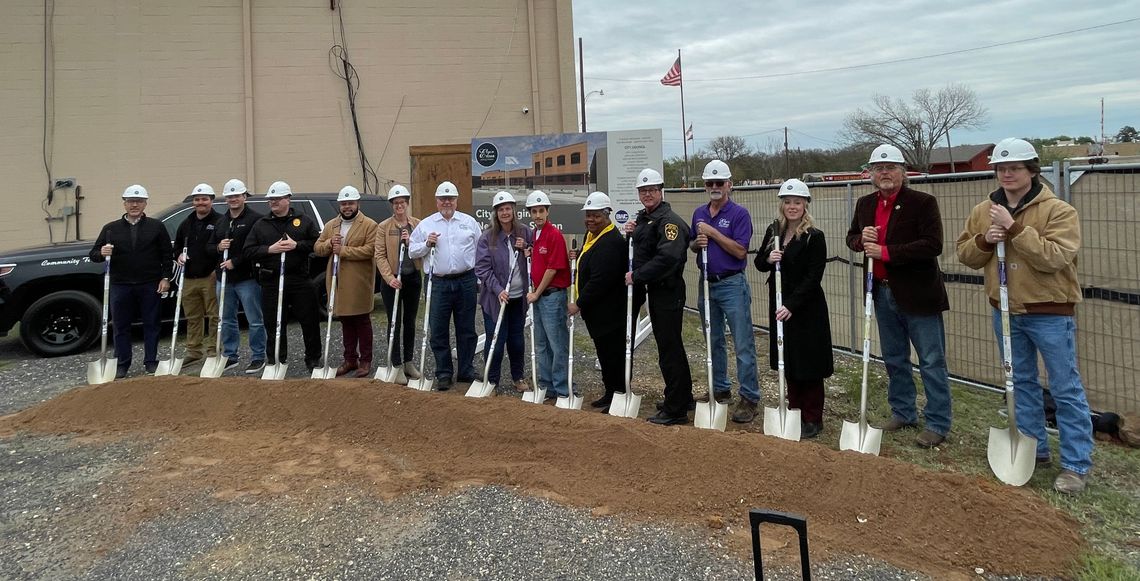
point(897, 332)
point(453, 299)
point(552, 342)
point(248, 293)
point(510, 338)
point(1055, 337)
point(731, 299)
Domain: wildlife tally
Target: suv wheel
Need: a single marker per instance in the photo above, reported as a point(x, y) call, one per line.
point(61, 323)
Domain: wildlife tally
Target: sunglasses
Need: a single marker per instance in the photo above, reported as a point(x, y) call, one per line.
point(714, 183)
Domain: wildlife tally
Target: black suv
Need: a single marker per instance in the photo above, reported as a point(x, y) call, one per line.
point(54, 291)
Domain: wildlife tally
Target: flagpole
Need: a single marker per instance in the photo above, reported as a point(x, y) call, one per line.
point(684, 137)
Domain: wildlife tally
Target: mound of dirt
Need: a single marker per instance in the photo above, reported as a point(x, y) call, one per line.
point(237, 437)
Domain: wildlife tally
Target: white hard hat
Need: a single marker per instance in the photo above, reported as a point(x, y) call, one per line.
point(794, 187)
point(203, 190)
point(649, 177)
point(446, 190)
point(234, 187)
point(1013, 149)
point(597, 201)
point(716, 170)
point(279, 190)
point(348, 194)
point(135, 191)
point(503, 198)
point(887, 153)
point(537, 198)
point(398, 191)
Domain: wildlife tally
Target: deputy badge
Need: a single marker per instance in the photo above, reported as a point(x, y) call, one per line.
point(296, 222)
point(671, 231)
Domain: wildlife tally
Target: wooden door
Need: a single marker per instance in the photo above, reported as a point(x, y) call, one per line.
point(432, 164)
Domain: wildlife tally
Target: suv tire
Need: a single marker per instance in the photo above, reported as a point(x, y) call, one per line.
point(61, 323)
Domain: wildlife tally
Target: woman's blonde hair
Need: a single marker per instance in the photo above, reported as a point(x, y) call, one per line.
point(805, 224)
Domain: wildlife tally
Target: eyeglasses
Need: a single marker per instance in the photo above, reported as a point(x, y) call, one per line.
point(884, 167)
point(648, 190)
point(714, 183)
point(135, 201)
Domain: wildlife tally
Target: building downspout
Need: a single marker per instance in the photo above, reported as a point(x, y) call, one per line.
point(535, 94)
point(247, 75)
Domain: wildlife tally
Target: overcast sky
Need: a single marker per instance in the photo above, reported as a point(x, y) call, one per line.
point(1037, 88)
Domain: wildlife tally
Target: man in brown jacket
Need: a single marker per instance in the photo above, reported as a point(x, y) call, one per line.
point(351, 235)
point(900, 229)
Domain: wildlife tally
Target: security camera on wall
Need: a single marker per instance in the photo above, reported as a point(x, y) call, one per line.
point(526, 110)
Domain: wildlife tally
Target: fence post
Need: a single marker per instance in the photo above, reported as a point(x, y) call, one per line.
point(852, 276)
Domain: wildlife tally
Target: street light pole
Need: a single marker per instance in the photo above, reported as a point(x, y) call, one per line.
point(600, 92)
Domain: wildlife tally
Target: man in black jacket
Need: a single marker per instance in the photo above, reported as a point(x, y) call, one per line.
point(199, 298)
point(241, 288)
point(140, 271)
point(293, 234)
point(660, 246)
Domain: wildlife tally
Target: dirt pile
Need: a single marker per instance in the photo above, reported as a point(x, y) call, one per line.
point(239, 437)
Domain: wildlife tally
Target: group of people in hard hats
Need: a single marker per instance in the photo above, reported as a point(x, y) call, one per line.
point(511, 269)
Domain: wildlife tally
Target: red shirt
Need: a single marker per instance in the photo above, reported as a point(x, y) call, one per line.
point(886, 205)
point(549, 253)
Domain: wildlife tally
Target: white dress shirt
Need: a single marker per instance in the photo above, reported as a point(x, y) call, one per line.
point(455, 251)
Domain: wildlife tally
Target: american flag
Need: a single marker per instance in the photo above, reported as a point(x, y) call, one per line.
point(689, 133)
point(673, 77)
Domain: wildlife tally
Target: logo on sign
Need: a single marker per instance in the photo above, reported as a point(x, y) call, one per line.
point(621, 217)
point(486, 154)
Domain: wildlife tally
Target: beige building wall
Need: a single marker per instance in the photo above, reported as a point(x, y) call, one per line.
point(170, 93)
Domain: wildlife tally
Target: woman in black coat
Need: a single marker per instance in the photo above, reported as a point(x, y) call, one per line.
point(602, 264)
point(807, 329)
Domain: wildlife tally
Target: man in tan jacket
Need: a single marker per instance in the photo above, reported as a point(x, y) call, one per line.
point(351, 236)
point(390, 234)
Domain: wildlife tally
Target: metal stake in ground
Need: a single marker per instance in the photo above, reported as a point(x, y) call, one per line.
point(572, 401)
point(627, 405)
point(484, 388)
point(214, 366)
point(391, 373)
point(1012, 455)
point(536, 394)
point(103, 370)
point(424, 383)
point(174, 365)
point(781, 421)
point(276, 371)
point(327, 372)
point(713, 415)
point(862, 437)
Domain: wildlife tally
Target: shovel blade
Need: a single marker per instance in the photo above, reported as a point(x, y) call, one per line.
point(275, 372)
point(102, 371)
point(711, 416)
point(788, 428)
point(537, 395)
point(1012, 456)
point(168, 367)
point(213, 367)
point(391, 374)
point(570, 402)
point(480, 389)
point(421, 384)
point(627, 405)
point(865, 439)
point(325, 372)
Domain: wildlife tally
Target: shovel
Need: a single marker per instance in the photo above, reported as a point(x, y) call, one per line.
point(276, 372)
point(862, 437)
point(173, 365)
point(327, 372)
point(627, 405)
point(424, 383)
point(484, 388)
point(214, 366)
point(780, 421)
point(103, 370)
point(714, 415)
point(536, 394)
point(571, 401)
point(390, 372)
point(1012, 455)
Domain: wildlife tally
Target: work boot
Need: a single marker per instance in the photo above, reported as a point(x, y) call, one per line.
point(810, 430)
point(410, 370)
point(363, 370)
point(121, 372)
point(521, 385)
point(663, 419)
point(929, 439)
point(1069, 482)
point(897, 424)
point(744, 411)
point(345, 368)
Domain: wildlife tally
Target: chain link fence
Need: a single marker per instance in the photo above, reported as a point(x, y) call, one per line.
point(1107, 199)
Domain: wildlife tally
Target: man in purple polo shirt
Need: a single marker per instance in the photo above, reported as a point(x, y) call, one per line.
point(725, 228)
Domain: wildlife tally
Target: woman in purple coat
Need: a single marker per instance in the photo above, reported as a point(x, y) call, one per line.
point(501, 288)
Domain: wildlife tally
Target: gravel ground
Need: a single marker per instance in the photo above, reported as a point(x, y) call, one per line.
point(54, 526)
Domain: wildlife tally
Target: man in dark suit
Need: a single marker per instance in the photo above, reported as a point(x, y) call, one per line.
point(900, 229)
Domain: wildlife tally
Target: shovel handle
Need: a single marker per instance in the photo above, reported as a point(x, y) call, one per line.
point(797, 522)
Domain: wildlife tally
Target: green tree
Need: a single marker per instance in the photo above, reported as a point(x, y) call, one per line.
point(1127, 134)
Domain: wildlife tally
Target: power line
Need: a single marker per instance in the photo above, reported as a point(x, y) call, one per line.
point(880, 63)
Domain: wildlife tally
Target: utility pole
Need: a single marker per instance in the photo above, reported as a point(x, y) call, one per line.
point(950, 151)
point(787, 159)
point(582, 83)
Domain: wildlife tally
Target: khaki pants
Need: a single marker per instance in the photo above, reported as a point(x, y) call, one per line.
point(199, 302)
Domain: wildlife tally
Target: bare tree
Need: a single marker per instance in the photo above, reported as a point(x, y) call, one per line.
point(919, 126)
point(728, 147)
